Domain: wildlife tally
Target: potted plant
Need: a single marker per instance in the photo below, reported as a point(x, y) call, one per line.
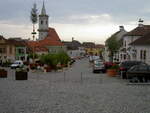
point(3, 73)
point(112, 71)
point(21, 74)
point(48, 68)
point(33, 66)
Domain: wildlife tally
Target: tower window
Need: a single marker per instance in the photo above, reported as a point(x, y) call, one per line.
point(41, 22)
point(46, 22)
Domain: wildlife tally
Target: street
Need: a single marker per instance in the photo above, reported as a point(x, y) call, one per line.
point(73, 90)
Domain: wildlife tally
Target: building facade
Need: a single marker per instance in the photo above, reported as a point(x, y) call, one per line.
point(129, 49)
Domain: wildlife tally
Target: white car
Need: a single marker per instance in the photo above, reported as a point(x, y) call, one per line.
point(98, 66)
point(17, 64)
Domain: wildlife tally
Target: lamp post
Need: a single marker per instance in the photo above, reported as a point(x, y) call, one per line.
point(33, 33)
point(34, 19)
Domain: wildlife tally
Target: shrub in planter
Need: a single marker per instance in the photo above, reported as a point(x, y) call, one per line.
point(113, 70)
point(6, 64)
point(48, 68)
point(21, 74)
point(3, 73)
point(59, 66)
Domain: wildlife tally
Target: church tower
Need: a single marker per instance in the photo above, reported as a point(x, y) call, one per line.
point(43, 23)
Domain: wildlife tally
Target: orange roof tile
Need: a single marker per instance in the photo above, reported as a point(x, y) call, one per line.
point(51, 40)
point(37, 47)
point(139, 31)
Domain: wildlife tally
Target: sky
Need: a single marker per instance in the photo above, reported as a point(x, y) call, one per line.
point(85, 20)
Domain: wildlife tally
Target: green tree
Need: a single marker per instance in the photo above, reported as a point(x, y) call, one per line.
point(53, 59)
point(113, 46)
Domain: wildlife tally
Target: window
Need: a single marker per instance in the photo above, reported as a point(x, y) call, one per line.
point(124, 57)
point(143, 68)
point(121, 56)
point(141, 54)
point(10, 50)
point(46, 22)
point(144, 54)
point(125, 43)
point(41, 22)
point(21, 51)
point(2, 50)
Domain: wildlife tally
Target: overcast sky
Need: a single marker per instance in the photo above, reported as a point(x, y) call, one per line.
point(85, 20)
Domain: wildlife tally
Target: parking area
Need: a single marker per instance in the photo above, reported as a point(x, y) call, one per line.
point(74, 90)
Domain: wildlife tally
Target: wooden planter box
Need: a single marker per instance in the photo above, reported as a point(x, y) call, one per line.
point(3, 74)
point(48, 69)
point(21, 75)
point(111, 72)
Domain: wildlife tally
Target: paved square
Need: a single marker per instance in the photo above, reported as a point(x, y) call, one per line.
point(72, 92)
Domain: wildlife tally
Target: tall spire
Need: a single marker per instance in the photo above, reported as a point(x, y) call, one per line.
point(43, 12)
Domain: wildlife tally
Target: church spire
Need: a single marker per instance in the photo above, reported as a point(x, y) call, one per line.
point(43, 11)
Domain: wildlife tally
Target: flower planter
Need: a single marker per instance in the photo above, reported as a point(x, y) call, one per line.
point(33, 66)
point(21, 75)
point(111, 72)
point(3, 73)
point(48, 69)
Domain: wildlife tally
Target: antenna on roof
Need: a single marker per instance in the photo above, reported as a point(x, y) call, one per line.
point(141, 22)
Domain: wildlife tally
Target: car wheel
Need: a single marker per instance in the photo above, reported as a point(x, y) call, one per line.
point(93, 71)
point(103, 71)
point(135, 79)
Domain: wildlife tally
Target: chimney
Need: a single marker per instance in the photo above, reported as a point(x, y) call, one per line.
point(121, 28)
point(141, 22)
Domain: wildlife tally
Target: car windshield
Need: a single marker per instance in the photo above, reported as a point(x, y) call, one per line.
point(16, 62)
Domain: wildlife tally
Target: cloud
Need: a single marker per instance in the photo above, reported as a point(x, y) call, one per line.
point(9, 29)
point(83, 19)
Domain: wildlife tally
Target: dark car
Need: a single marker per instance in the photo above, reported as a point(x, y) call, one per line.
point(139, 73)
point(126, 65)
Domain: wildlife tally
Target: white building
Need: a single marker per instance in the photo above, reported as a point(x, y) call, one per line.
point(141, 49)
point(129, 51)
point(118, 35)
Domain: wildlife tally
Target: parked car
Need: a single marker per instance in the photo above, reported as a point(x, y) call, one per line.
point(98, 66)
point(126, 65)
point(139, 73)
point(17, 64)
point(72, 61)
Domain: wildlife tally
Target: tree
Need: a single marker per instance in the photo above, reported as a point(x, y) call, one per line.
point(113, 46)
point(34, 18)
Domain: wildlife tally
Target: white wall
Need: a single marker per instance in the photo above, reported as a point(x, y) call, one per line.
point(147, 48)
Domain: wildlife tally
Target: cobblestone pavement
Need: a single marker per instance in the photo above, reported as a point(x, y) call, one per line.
point(75, 90)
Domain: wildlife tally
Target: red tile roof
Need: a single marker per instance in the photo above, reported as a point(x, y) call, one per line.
point(99, 46)
point(37, 47)
point(51, 40)
point(139, 31)
point(144, 40)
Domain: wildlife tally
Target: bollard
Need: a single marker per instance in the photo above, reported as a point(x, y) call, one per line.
point(100, 80)
point(81, 77)
point(64, 76)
